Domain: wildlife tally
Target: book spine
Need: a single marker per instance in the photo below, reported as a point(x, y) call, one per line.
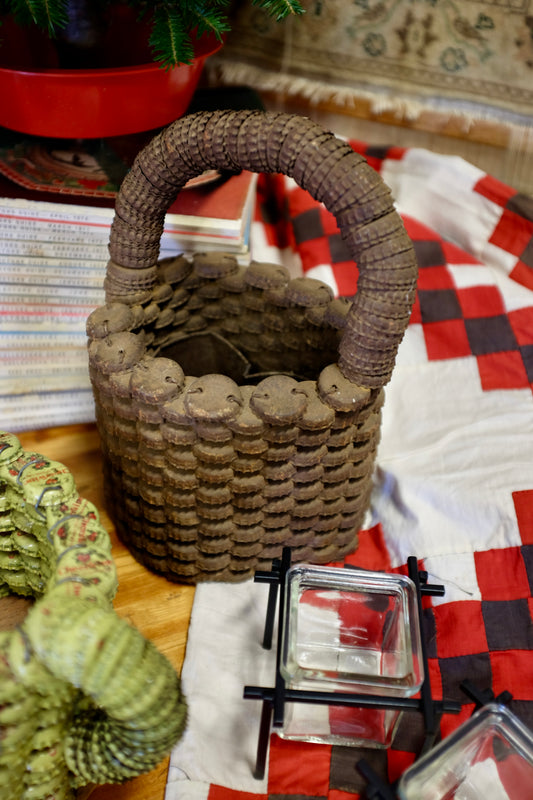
point(94, 251)
point(23, 317)
point(52, 296)
point(56, 379)
point(15, 339)
point(34, 410)
point(99, 225)
point(54, 233)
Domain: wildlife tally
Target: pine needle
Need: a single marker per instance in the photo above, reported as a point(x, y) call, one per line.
point(170, 40)
point(279, 9)
point(46, 14)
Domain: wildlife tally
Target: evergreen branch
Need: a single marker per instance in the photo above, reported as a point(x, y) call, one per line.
point(170, 40)
point(172, 20)
point(279, 9)
point(209, 20)
point(46, 14)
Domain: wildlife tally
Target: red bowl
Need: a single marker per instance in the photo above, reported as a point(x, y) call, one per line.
point(94, 103)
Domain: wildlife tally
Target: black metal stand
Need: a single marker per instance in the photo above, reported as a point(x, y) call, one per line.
point(274, 699)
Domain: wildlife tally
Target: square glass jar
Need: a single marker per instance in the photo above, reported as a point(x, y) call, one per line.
point(489, 756)
point(348, 630)
point(347, 726)
point(353, 630)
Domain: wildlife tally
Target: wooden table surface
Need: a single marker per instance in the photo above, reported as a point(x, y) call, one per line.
point(159, 609)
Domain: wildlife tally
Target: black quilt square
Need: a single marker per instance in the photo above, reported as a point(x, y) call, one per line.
point(274, 796)
point(343, 773)
point(527, 358)
point(527, 557)
point(429, 254)
point(508, 624)
point(523, 710)
point(280, 796)
point(429, 631)
point(490, 335)
point(410, 733)
point(438, 305)
point(377, 151)
point(307, 225)
point(338, 249)
point(521, 204)
point(475, 668)
point(526, 255)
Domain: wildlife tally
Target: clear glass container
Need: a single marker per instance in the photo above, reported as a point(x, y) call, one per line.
point(338, 725)
point(348, 630)
point(488, 757)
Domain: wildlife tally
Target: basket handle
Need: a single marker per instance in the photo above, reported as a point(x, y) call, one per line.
point(320, 163)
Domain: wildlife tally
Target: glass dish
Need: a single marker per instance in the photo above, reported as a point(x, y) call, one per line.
point(348, 630)
point(338, 725)
point(489, 756)
point(353, 630)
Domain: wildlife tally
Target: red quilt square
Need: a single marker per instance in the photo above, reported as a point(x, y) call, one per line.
point(396, 153)
point(512, 233)
point(511, 671)
point(345, 274)
point(450, 722)
point(435, 278)
point(222, 793)
point(298, 768)
point(454, 255)
point(502, 371)
point(522, 274)
point(522, 324)
point(493, 568)
point(314, 252)
point(435, 678)
point(372, 552)
point(481, 301)
point(358, 145)
point(523, 503)
point(465, 616)
point(447, 339)
point(494, 190)
point(418, 231)
point(416, 315)
point(398, 762)
point(374, 161)
point(299, 201)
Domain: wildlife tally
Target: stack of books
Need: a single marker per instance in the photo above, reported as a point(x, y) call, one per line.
point(56, 209)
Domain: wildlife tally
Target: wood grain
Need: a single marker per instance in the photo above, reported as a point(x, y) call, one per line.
point(159, 609)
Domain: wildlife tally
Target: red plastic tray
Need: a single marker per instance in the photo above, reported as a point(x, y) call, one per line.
point(93, 103)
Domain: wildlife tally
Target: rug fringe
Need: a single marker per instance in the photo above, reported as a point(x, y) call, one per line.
point(405, 109)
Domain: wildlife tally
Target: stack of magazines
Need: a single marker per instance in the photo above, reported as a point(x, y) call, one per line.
point(56, 208)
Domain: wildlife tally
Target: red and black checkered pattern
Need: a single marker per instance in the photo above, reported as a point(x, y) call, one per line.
point(474, 304)
point(487, 641)
point(514, 231)
point(458, 321)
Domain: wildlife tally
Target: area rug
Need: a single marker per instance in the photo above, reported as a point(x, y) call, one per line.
point(469, 57)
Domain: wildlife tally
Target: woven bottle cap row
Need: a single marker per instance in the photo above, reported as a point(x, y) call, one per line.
point(71, 652)
point(239, 409)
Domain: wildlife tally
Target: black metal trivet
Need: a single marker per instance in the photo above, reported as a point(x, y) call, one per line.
point(274, 698)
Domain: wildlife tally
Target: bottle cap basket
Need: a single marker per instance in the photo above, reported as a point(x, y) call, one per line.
point(84, 697)
point(239, 409)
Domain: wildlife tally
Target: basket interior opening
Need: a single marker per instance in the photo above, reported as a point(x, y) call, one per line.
point(212, 353)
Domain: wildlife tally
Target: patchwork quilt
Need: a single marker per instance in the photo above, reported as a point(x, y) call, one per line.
point(453, 483)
